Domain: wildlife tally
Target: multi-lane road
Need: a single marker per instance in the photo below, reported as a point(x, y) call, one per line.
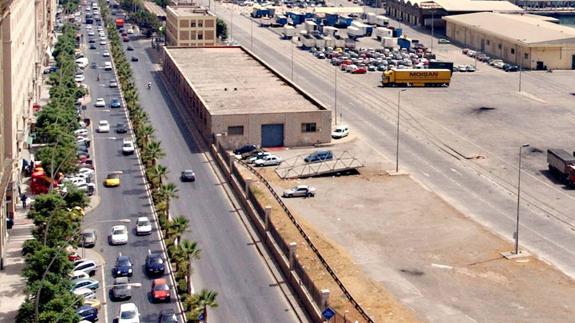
point(232, 263)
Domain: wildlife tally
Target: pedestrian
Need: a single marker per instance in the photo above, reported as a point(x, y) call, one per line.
point(24, 198)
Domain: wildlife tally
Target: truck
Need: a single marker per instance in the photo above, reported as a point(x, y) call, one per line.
point(441, 65)
point(562, 165)
point(381, 32)
point(416, 77)
point(381, 21)
point(288, 32)
point(119, 22)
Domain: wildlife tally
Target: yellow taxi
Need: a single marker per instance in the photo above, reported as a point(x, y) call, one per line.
point(112, 180)
point(93, 302)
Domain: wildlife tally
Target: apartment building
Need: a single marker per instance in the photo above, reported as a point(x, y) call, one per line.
point(190, 26)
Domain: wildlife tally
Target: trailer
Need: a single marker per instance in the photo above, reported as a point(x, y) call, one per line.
point(382, 32)
point(354, 32)
point(310, 26)
point(288, 32)
point(330, 31)
point(389, 42)
point(281, 20)
point(562, 165)
point(381, 21)
point(371, 18)
point(416, 77)
point(319, 41)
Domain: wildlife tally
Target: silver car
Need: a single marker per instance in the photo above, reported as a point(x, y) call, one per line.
point(300, 191)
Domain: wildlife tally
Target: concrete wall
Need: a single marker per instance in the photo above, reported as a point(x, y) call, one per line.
point(552, 56)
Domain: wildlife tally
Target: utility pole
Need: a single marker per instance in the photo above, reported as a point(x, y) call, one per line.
point(397, 134)
point(518, 199)
point(291, 44)
point(335, 93)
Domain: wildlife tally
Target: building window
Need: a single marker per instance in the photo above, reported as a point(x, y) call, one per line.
point(308, 127)
point(193, 23)
point(512, 50)
point(200, 23)
point(236, 131)
point(200, 36)
point(499, 46)
point(488, 42)
point(526, 56)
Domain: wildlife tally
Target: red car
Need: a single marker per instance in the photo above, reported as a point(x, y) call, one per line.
point(359, 70)
point(126, 39)
point(160, 290)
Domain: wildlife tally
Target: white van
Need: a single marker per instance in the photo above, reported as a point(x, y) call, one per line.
point(82, 62)
point(107, 66)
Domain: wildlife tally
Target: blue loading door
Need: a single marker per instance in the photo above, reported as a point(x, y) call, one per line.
point(272, 135)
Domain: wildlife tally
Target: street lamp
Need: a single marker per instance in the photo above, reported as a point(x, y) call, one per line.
point(518, 199)
point(397, 134)
point(292, 45)
point(335, 93)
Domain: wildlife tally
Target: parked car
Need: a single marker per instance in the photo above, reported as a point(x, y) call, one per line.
point(300, 191)
point(121, 289)
point(510, 68)
point(188, 175)
point(155, 264)
point(143, 226)
point(85, 283)
point(103, 126)
point(128, 147)
point(88, 238)
point(340, 132)
point(270, 160)
point(135, 59)
point(244, 150)
point(113, 84)
point(94, 302)
point(123, 267)
point(88, 313)
point(119, 235)
point(443, 41)
point(84, 293)
point(469, 68)
point(78, 275)
point(130, 48)
point(359, 70)
point(128, 313)
point(160, 290)
point(258, 155)
point(85, 265)
point(319, 156)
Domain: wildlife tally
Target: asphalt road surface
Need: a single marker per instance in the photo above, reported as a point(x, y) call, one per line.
point(129, 201)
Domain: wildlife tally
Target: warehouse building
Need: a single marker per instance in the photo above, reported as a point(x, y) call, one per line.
point(425, 13)
point(190, 26)
point(243, 100)
point(524, 40)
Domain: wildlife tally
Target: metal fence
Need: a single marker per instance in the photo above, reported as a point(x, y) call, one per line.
point(308, 283)
point(279, 240)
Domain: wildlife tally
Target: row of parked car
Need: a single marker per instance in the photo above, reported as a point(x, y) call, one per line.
point(495, 62)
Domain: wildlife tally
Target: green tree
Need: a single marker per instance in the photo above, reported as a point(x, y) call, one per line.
point(221, 29)
point(37, 263)
point(157, 174)
point(176, 227)
point(162, 3)
point(153, 152)
point(201, 301)
point(167, 192)
point(58, 159)
point(75, 197)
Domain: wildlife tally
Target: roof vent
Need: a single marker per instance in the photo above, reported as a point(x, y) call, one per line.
point(225, 89)
point(235, 89)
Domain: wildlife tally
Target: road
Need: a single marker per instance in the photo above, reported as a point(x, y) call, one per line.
point(129, 201)
point(487, 193)
point(231, 262)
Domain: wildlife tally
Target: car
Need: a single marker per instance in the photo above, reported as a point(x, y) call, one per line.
point(93, 46)
point(270, 160)
point(143, 226)
point(113, 84)
point(79, 78)
point(125, 39)
point(300, 191)
point(258, 155)
point(100, 103)
point(85, 283)
point(155, 264)
point(112, 180)
point(130, 48)
point(119, 235)
point(443, 41)
point(121, 127)
point(78, 275)
point(121, 290)
point(102, 36)
point(319, 156)
point(359, 70)
point(160, 290)
point(115, 103)
point(128, 313)
point(107, 66)
point(188, 175)
point(245, 150)
point(91, 40)
point(135, 59)
point(103, 126)
point(102, 42)
point(88, 313)
point(94, 302)
point(340, 132)
point(91, 33)
point(510, 68)
point(124, 267)
point(85, 265)
point(88, 238)
point(127, 147)
point(85, 293)
point(106, 53)
point(85, 171)
point(168, 316)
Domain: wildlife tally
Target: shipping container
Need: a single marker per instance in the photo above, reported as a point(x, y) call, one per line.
point(382, 32)
point(381, 21)
point(371, 18)
point(416, 77)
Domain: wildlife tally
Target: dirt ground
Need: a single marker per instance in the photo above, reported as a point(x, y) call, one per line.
point(406, 255)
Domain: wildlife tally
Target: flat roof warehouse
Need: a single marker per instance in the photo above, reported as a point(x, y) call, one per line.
point(240, 86)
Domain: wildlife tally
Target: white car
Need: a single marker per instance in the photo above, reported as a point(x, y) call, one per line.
point(271, 160)
point(103, 126)
point(127, 147)
point(119, 235)
point(340, 132)
point(82, 62)
point(259, 155)
point(85, 171)
point(129, 313)
point(76, 181)
point(103, 42)
point(100, 103)
point(85, 293)
point(106, 54)
point(78, 275)
point(86, 265)
point(143, 226)
point(79, 78)
point(81, 132)
point(91, 33)
point(108, 66)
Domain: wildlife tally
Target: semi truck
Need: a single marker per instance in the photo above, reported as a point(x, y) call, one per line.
point(562, 165)
point(416, 77)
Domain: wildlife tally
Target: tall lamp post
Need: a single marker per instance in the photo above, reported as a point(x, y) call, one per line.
point(397, 134)
point(292, 45)
point(518, 199)
point(335, 93)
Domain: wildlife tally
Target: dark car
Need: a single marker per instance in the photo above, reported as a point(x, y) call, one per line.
point(88, 238)
point(155, 264)
point(135, 59)
point(188, 175)
point(130, 48)
point(245, 149)
point(123, 267)
point(121, 289)
point(125, 39)
point(318, 156)
point(115, 104)
point(168, 316)
point(510, 68)
point(93, 46)
point(88, 313)
point(121, 128)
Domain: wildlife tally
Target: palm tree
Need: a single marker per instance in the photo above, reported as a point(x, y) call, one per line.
point(190, 249)
point(157, 175)
point(168, 192)
point(201, 301)
point(177, 226)
point(147, 132)
point(153, 151)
